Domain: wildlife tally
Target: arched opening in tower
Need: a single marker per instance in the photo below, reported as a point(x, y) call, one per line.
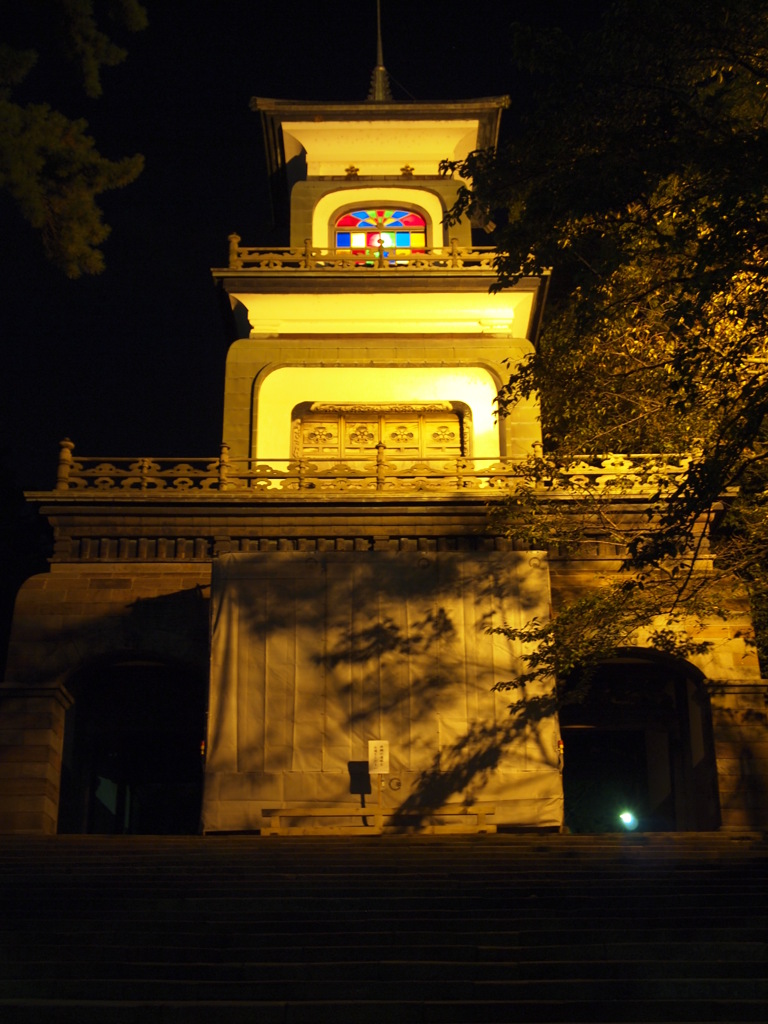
point(133, 757)
point(638, 748)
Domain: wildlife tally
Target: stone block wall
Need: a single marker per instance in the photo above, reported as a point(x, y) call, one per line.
point(732, 680)
point(31, 740)
point(64, 621)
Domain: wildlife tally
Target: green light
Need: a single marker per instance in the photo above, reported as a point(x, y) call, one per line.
point(628, 820)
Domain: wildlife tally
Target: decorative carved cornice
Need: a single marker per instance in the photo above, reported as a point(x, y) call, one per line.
point(380, 407)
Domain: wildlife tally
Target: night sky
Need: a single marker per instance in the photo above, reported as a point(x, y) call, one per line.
point(131, 362)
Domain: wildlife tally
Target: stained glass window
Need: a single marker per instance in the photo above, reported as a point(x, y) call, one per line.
point(378, 231)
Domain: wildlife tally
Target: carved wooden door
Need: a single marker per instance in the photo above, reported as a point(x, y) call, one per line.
point(435, 430)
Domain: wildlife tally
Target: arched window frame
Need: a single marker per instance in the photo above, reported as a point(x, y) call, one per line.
point(404, 238)
point(335, 204)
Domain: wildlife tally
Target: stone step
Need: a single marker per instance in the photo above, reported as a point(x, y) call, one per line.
point(716, 956)
point(381, 933)
point(455, 987)
point(347, 1011)
point(60, 894)
point(391, 856)
point(253, 874)
point(645, 846)
point(451, 929)
point(341, 909)
point(496, 848)
point(628, 886)
point(381, 968)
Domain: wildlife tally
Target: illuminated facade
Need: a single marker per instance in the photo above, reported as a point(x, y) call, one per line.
point(312, 609)
point(373, 354)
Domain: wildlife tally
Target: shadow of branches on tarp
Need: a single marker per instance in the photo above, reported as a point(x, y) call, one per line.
point(464, 767)
point(379, 631)
point(356, 647)
point(387, 645)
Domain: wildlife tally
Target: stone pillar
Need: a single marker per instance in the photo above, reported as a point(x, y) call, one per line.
point(31, 742)
point(740, 725)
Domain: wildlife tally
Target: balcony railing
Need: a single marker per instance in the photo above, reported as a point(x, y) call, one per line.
point(450, 257)
point(381, 471)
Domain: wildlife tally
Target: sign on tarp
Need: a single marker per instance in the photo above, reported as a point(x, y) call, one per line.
point(378, 757)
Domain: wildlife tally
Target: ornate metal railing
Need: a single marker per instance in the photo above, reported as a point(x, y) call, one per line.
point(383, 470)
point(309, 257)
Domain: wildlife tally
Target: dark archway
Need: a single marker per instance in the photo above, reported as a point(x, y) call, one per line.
point(639, 738)
point(132, 759)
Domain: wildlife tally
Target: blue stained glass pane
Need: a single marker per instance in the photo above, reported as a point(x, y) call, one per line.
point(343, 240)
point(366, 221)
point(402, 239)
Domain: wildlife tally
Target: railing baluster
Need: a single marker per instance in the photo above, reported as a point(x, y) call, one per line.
point(66, 447)
point(235, 258)
point(381, 470)
point(223, 467)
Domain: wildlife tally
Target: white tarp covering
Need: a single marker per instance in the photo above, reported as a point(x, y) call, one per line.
point(316, 654)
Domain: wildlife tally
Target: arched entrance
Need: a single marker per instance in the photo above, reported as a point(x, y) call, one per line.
point(639, 740)
point(132, 760)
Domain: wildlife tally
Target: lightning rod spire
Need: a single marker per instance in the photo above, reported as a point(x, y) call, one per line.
point(380, 91)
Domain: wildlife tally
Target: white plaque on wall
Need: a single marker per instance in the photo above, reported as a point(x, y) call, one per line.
point(378, 757)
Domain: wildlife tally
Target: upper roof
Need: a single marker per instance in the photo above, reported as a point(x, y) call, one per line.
point(452, 129)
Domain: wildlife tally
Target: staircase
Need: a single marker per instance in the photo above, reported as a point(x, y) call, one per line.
point(393, 929)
